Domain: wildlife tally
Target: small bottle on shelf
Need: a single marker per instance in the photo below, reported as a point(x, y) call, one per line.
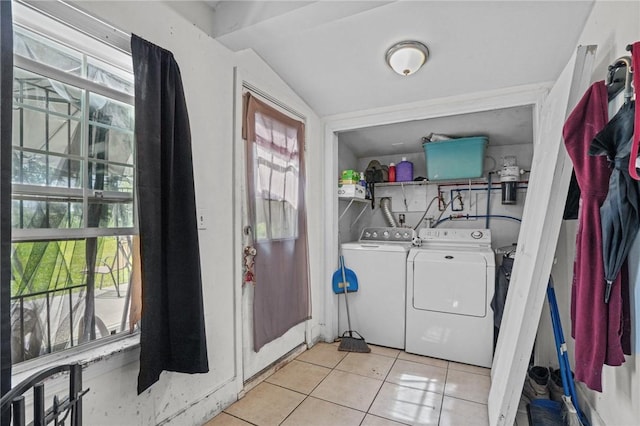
point(392, 172)
point(363, 183)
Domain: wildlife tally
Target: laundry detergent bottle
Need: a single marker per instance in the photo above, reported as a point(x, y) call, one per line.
point(404, 171)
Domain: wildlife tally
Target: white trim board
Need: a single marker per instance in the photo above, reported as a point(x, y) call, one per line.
point(443, 107)
point(548, 184)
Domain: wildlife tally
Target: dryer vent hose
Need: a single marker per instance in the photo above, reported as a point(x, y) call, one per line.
point(385, 206)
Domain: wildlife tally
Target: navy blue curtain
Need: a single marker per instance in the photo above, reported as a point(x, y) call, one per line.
point(6, 87)
point(172, 326)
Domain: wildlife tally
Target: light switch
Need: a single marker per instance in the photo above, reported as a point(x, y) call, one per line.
point(203, 219)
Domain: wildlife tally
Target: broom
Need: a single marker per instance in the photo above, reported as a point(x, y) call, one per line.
point(348, 342)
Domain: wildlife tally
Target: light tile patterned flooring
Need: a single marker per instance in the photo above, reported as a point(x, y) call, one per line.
point(324, 386)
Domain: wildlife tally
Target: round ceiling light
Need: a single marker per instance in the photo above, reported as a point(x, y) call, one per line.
point(407, 57)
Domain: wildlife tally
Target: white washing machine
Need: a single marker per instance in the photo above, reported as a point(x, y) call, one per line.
point(450, 284)
point(377, 309)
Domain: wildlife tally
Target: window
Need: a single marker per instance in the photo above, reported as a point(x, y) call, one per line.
point(276, 174)
point(73, 192)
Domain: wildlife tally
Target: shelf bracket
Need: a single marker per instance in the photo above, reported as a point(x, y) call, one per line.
point(351, 201)
point(345, 210)
point(360, 215)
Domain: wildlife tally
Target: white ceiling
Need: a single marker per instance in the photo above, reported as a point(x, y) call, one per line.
point(332, 52)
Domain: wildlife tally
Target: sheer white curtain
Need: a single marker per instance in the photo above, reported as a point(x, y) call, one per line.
point(277, 162)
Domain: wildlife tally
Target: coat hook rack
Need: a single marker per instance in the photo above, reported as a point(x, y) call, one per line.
point(619, 78)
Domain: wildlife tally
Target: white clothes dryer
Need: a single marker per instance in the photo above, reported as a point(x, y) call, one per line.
point(450, 284)
point(377, 309)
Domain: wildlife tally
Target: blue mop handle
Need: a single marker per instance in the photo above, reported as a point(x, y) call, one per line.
point(560, 343)
point(563, 358)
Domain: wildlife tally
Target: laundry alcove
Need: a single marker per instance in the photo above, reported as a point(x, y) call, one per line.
point(507, 117)
point(549, 178)
point(384, 270)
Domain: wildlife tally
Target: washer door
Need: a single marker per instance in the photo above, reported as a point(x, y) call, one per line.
point(450, 282)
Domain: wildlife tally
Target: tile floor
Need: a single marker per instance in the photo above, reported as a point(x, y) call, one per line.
point(324, 386)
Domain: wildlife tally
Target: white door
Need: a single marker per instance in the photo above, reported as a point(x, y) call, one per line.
point(541, 220)
point(254, 362)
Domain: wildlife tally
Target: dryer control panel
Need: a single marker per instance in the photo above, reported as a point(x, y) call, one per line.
point(394, 235)
point(480, 237)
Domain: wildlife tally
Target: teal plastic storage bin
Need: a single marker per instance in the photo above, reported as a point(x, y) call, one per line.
point(456, 158)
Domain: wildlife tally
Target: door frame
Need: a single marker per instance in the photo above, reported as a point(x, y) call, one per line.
point(525, 95)
point(550, 174)
point(300, 333)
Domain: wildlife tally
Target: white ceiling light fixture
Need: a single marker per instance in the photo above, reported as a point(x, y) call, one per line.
point(407, 57)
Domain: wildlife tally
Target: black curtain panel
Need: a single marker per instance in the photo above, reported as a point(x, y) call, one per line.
point(6, 87)
point(172, 326)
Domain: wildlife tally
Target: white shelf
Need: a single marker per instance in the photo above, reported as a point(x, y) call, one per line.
point(408, 183)
point(474, 181)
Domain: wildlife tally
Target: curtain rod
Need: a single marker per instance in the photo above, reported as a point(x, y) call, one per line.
point(83, 22)
point(273, 100)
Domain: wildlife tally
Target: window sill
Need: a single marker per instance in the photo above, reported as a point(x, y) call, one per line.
point(84, 355)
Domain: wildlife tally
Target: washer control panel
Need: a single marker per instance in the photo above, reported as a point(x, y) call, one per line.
point(469, 236)
point(394, 235)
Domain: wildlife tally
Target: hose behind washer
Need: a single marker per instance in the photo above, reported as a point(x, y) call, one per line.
point(386, 212)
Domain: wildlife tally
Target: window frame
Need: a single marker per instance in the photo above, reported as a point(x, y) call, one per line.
point(83, 193)
point(64, 19)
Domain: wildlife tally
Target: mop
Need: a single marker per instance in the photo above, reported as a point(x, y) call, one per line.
point(544, 412)
point(572, 414)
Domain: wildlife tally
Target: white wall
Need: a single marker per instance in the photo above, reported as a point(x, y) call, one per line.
point(612, 25)
point(207, 71)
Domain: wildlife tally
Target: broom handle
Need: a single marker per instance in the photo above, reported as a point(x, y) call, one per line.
point(563, 358)
point(344, 287)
